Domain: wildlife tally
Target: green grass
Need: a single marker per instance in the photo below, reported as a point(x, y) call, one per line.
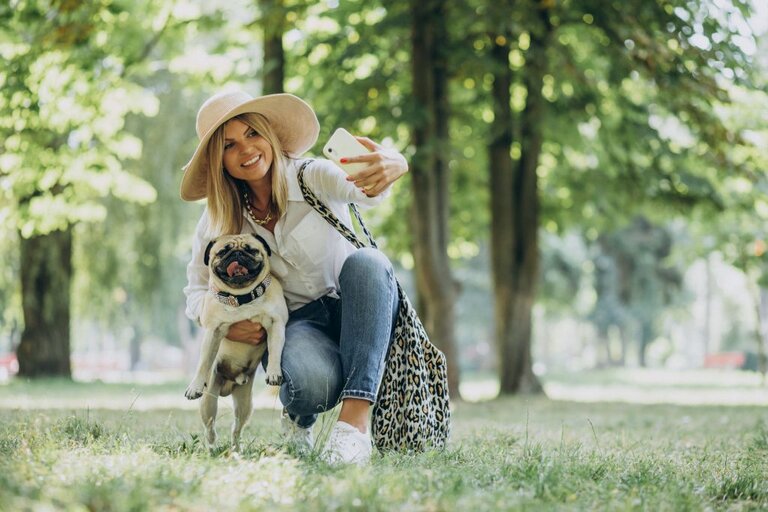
point(506, 454)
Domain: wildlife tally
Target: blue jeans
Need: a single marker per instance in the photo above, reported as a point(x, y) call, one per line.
point(335, 348)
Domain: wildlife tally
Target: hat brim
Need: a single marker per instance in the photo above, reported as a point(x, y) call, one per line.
point(293, 120)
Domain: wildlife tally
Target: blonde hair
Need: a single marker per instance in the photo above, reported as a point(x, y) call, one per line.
point(225, 193)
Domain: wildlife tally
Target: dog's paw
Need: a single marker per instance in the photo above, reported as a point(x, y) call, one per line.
point(274, 379)
point(195, 389)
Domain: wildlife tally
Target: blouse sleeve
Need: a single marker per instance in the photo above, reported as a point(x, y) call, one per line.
point(197, 271)
point(329, 182)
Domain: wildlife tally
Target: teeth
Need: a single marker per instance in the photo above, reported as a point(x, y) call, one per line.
point(251, 161)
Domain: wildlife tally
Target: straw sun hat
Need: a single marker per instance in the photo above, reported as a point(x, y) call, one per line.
point(294, 122)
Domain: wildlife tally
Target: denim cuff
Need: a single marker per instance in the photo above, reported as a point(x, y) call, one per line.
point(356, 393)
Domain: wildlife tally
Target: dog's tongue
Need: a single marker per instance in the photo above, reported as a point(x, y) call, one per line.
point(236, 269)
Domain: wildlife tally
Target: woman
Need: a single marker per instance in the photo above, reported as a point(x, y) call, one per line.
point(342, 301)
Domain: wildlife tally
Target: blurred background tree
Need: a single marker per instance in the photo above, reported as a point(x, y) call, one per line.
point(65, 98)
point(605, 99)
point(635, 284)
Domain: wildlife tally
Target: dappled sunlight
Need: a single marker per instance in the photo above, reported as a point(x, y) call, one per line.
point(225, 483)
point(249, 483)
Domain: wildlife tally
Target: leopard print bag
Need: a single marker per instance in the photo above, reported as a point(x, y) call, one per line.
point(412, 409)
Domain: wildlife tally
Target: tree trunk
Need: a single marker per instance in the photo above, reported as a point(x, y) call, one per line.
point(515, 211)
point(604, 346)
point(435, 285)
point(46, 276)
point(273, 21)
point(646, 337)
point(623, 335)
point(134, 348)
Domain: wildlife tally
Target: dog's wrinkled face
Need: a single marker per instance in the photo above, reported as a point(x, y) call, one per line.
point(238, 262)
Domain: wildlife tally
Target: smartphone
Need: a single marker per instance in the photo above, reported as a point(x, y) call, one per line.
point(342, 145)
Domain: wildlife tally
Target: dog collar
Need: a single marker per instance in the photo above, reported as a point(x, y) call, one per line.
point(238, 300)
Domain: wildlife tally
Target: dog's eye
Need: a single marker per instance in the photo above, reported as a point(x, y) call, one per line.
point(229, 247)
point(250, 250)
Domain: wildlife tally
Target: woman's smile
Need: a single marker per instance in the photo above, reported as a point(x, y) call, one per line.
point(252, 161)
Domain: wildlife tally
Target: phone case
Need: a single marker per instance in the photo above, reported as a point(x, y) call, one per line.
point(342, 144)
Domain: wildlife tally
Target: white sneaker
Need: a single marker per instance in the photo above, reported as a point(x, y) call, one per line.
point(299, 437)
point(347, 445)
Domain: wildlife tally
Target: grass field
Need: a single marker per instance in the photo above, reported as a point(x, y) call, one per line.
point(73, 446)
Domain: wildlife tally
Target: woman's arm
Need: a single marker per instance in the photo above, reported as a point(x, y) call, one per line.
point(197, 271)
point(331, 183)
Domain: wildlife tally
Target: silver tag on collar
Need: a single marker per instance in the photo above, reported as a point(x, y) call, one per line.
point(228, 300)
point(231, 300)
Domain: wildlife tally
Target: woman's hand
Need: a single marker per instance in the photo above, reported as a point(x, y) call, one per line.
point(385, 166)
point(246, 331)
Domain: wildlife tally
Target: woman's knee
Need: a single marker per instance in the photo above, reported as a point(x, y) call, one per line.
point(312, 379)
point(365, 264)
point(303, 395)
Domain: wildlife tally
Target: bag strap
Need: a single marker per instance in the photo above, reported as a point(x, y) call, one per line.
point(346, 232)
point(331, 217)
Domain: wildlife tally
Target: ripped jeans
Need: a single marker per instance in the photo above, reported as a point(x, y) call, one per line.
point(335, 348)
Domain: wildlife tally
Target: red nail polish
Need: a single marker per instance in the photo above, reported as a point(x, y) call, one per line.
point(343, 160)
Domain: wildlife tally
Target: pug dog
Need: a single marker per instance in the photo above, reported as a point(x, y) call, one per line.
point(241, 288)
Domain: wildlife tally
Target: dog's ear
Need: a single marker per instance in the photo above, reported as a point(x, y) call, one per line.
point(207, 256)
point(264, 243)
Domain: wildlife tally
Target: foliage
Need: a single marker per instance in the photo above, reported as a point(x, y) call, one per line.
point(62, 111)
point(509, 454)
point(131, 267)
point(739, 231)
point(75, 116)
point(634, 93)
point(349, 62)
point(135, 280)
point(358, 47)
point(66, 92)
point(641, 85)
point(10, 298)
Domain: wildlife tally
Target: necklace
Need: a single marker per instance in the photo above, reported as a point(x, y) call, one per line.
point(260, 222)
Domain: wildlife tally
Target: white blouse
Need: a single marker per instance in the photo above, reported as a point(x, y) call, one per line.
point(307, 252)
